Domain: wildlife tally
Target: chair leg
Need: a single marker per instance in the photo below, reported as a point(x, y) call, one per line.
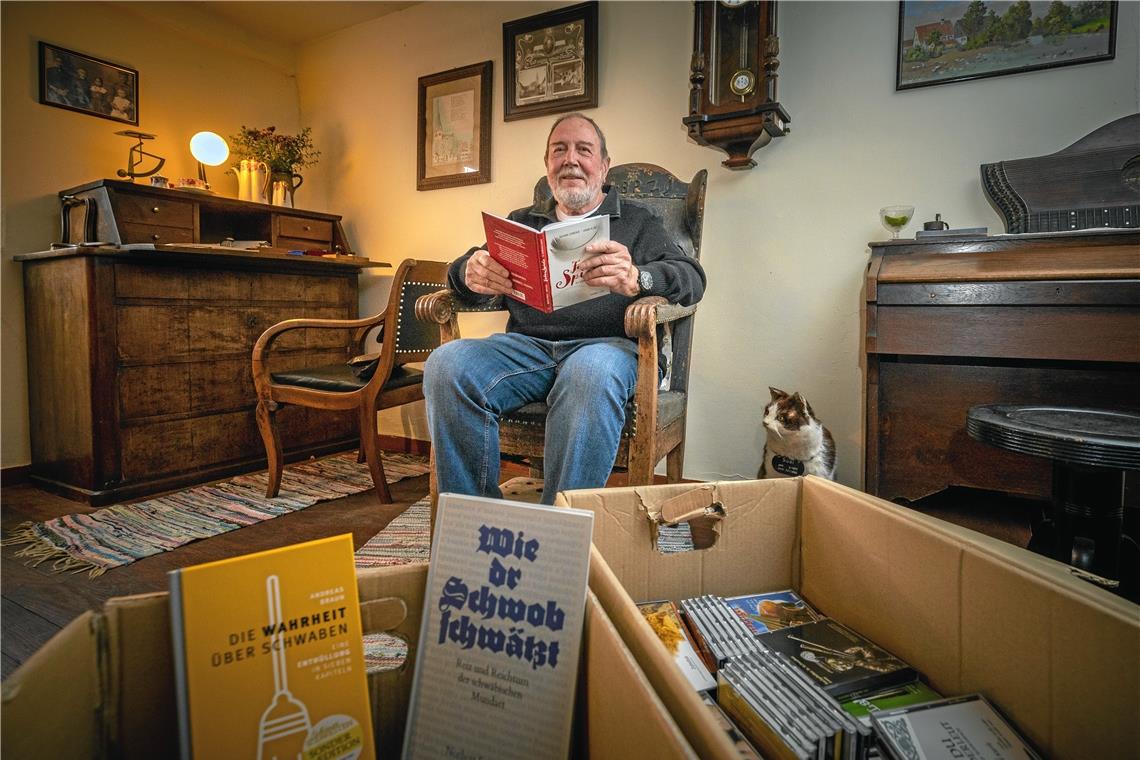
point(433, 493)
point(675, 463)
point(267, 425)
point(371, 448)
point(536, 468)
point(639, 468)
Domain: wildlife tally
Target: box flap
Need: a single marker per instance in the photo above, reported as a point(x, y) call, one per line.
point(63, 673)
point(141, 719)
point(625, 722)
point(760, 529)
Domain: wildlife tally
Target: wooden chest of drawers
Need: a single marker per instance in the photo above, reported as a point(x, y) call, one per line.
point(139, 363)
point(1011, 319)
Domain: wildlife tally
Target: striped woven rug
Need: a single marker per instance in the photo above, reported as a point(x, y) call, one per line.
point(402, 542)
point(121, 534)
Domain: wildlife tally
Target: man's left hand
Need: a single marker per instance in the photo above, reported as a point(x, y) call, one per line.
point(609, 265)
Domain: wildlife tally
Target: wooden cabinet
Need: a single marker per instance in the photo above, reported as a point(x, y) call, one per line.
point(139, 360)
point(118, 212)
point(1012, 319)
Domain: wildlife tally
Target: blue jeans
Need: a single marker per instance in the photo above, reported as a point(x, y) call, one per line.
point(468, 383)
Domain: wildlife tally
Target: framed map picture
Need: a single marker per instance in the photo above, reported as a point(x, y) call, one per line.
point(953, 41)
point(550, 62)
point(454, 132)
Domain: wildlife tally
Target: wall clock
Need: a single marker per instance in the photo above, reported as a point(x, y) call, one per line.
point(732, 96)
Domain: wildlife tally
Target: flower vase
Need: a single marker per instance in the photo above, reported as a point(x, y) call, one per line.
point(283, 185)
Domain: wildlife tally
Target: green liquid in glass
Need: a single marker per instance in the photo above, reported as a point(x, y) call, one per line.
point(896, 221)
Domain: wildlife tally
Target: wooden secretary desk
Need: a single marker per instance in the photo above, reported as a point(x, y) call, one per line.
point(139, 360)
point(1010, 319)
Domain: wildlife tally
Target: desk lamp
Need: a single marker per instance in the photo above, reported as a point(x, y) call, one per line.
point(210, 150)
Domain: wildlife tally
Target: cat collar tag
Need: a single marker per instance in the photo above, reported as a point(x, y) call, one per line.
point(787, 465)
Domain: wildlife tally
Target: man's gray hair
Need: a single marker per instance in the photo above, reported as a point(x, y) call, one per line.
point(583, 117)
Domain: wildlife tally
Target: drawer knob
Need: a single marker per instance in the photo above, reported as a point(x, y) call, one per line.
point(155, 236)
point(154, 210)
point(307, 228)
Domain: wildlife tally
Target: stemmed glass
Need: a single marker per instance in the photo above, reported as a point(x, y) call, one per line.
point(894, 218)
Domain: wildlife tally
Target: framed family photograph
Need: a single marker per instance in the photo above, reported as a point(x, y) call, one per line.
point(454, 134)
point(550, 62)
point(955, 41)
point(86, 84)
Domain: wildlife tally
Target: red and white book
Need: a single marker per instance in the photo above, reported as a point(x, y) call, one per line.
point(545, 264)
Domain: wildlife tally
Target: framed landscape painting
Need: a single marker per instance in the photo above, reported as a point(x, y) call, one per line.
point(550, 62)
point(942, 42)
point(454, 129)
point(88, 85)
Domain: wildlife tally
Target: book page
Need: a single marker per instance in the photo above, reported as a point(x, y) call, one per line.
point(566, 247)
point(501, 633)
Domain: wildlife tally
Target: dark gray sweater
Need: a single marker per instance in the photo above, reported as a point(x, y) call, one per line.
point(677, 277)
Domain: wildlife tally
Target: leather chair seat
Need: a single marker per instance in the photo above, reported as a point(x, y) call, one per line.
point(340, 378)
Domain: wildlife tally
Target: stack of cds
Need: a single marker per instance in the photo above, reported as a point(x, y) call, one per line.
point(785, 713)
point(725, 635)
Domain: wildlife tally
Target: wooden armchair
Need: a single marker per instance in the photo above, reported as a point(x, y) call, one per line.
point(655, 417)
point(403, 340)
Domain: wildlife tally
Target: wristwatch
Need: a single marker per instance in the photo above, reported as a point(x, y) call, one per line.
point(645, 281)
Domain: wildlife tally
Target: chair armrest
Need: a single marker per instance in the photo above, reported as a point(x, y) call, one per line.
point(261, 347)
point(643, 315)
point(442, 307)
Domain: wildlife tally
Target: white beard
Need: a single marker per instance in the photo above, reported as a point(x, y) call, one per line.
point(573, 199)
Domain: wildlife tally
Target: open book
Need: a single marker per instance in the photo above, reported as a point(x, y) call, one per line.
point(544, 263)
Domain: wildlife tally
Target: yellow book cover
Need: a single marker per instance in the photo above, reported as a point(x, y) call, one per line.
point(269, 658)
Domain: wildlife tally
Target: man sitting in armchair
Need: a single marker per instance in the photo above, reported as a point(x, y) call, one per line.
point(577, 359)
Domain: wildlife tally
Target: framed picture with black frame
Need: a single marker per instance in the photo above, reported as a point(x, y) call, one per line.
point(957, 41)
point(550, 62)
point(90, 85)
point(454, 128)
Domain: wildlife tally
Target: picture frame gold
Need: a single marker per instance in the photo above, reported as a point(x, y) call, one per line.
point(550, 62)
point(454, 128)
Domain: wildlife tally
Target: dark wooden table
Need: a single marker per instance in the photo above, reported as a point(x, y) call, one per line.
point(951, 323)
point(1089, 450)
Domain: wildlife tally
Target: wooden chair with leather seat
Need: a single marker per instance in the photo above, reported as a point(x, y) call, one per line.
point(403, 340)
point(655, 417)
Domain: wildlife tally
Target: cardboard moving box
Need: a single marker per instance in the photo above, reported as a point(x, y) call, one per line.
point(104, 685)
point(1059, 656)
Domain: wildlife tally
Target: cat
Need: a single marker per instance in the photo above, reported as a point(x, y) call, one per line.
point(798, 443)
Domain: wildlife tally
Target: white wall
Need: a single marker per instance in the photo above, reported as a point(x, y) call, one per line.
point(784, 244)
point(195, 73)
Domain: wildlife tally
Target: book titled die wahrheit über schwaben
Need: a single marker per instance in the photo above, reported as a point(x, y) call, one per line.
point(268, 655)
point(497, 661)
point(545, 264)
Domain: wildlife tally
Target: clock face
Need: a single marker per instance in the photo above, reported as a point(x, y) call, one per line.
point(742, 82)
point(732, 3)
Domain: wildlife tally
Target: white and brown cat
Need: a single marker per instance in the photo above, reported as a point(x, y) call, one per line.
point(798, 443)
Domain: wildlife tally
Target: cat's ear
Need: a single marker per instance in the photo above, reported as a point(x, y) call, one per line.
point(776, 393)
point(799, 400)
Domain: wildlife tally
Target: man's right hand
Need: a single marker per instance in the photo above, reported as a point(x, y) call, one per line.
point(486, 276)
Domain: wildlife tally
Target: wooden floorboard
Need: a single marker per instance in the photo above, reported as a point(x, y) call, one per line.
point(35, 602)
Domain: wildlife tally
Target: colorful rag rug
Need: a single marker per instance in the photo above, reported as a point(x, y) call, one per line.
point(121, 534)
point(402, 542)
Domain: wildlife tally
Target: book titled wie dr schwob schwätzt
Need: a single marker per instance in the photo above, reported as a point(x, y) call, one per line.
point(268, 655)
point(498, 653)
point(544, 264)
